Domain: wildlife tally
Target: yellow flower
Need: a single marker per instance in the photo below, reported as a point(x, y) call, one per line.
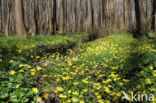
point(75, 93)
point(45, 96)
point(19, 51)
point(12, 72)
point(74, 99)
point(58, 80)
point(32, 73)
point(151, 67)
point(85, 90)
point(1, 60)
point(21, 65)
point(98, 97)
point(69, 91)
point(107, 101)
point(20, 70)
point(44, 75)
point(68, 101)
point(60, 89)
point(118, 94)
point(76, 83)
point(17, 86)
point(66, 78)
point(39, 99)
point(148, 81)
point(28, 66)
point(121, 84)
point(82, 101)
point(38, 68)
point(81, 96)
point(107, 89)
point(62, 96)
point(100, 101)
point(11, 61)
point(35, 90)
point(138, 86)
point(32, 70)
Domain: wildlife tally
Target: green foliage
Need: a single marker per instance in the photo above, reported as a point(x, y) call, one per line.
point(100, 70)
point(18, 72)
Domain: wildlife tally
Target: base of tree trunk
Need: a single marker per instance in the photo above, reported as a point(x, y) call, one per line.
point(140, 34)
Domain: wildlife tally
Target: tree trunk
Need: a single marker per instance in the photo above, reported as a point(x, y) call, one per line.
point(153, 16)
point(76, 16)
point(100, 14)
point(54, 16)
point(117, 15)
point(92, 13)
point(140, 19)
point(64, 15)
point(20, 29)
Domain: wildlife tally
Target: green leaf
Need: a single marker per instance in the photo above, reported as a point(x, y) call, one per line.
point(25, 100)
point(15, 63)
point(4, 96)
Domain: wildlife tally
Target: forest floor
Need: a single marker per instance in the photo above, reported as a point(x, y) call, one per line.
point(82, 72)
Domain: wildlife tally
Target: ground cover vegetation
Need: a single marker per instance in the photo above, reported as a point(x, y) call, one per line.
point(18, 63)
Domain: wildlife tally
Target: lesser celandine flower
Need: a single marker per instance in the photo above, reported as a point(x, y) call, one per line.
point(1, 60)
point(82, 101)
point(35, 90)
point(45, 96)
point(107, 101)
point(19, 51)
point(11, 61)
point(20, 70)
point(75, 93)
point(100, 101)
point(38, 68)
point(74, 99)
point(69, 91)
point(151, 67)
point(17, 86)
point(12, 72)
point(148, 81)
point(60, 89)
point(62, 96)
point(39, 99)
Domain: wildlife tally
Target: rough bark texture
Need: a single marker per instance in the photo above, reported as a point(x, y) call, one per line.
point(153, 16)
point(140, 19)
point(20, 29)
point(55, 17)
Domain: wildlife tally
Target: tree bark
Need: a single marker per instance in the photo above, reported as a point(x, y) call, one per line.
point(117, 14)
point(54, 16)
point(20, 29)
point(64, 9)
point(140, 19)
point(76, 16)
point(92, 13)
point(153, 16)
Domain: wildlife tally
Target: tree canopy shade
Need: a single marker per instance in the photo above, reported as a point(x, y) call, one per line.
point(62, 16)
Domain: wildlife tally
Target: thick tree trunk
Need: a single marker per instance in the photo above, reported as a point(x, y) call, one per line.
point(100, 14)
point(92, 13)
point(76, 16)
point(153, 16)
point(140, 19)
point(130, 10)
point(54, 17)
point(20, 29)
point(117, 14)
point(64, 9)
